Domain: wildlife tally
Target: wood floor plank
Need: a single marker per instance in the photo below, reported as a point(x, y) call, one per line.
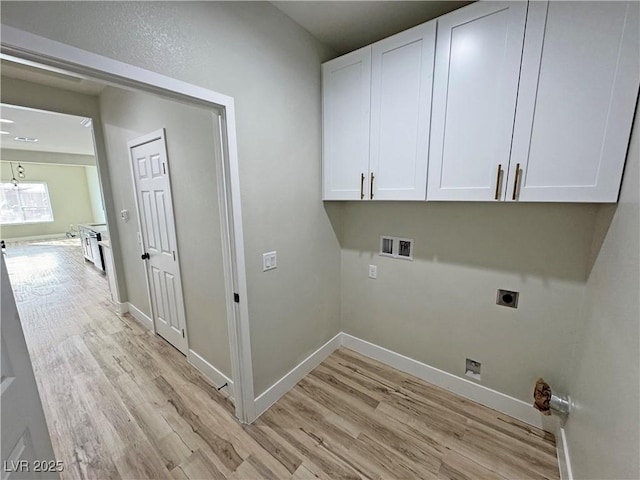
point(121, 403)
point(304, 473)
point(388, 460)
point(272, 443)
point(224, 449)
point(172, 450)
point(457, 467)
point(319, 451)
point(499, 453)
point(199, 466)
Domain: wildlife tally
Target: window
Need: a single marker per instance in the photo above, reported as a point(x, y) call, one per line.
point(26, 203)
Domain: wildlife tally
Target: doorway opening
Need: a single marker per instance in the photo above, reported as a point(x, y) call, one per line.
point(225, 170)
point(51, 198)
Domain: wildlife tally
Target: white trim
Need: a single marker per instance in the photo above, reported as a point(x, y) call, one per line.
point(465, 388)
point(562, 449)
point(234, 269)
point(122, 308)
point(139, 315)
point(27, 47)
point(212, 373)
point(34, 237)
point(239, 327)
point(286, 383)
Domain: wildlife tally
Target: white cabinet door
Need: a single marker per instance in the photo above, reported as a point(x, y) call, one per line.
point(401, 83)
point(478, 54)
point(580, 75)
point(346, 84)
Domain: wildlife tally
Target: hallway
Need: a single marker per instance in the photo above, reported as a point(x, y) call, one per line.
point(104, 380)
point(122, 403)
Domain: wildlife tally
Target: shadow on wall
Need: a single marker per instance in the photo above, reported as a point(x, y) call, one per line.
point(552, 241)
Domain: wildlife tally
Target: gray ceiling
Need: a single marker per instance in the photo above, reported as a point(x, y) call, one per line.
point(347, 26)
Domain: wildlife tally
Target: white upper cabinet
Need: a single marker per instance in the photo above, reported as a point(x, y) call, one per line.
point(401, 84)
point(578, 91)
point(484, 109)
point(346, 83)
point(478, 54)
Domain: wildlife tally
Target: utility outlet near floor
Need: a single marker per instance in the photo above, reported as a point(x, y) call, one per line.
point(373, 271)
point(472, 369)
point(269, 261)
point(507, 298)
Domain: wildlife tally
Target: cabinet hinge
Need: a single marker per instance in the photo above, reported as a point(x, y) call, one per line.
point(183, 333)
point(236, 297)
point(174, 255)
point(164, 169)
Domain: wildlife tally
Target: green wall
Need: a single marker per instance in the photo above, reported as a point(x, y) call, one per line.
point(69, 194)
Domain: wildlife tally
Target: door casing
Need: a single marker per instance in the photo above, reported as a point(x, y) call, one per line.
point(27, 48)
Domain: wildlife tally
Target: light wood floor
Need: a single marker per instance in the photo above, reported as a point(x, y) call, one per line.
point(122, 403)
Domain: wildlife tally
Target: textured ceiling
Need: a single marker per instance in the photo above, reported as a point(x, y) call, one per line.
point(347, 26)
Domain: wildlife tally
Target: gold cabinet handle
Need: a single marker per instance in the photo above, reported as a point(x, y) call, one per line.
point(498, 182)
point(371, 187)
point(362, 186)
point(515, 182)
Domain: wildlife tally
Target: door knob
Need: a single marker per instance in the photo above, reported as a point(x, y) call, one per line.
point(145, 256)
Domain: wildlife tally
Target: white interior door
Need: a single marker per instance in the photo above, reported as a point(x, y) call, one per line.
point(401, 83)
point(26, 445)
point(478, 53)
point(160, 251)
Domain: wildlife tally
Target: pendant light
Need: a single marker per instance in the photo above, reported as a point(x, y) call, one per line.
point(13, 175)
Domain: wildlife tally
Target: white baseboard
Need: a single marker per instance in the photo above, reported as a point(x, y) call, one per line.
point(122, 308)
point(485, 396)
point(35, 237)
point(286, 383)
point(212, 373)
point(500, 402)
point(139, 315)
point(564, 461)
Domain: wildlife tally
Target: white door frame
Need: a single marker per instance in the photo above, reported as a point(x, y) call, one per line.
point(24, 46)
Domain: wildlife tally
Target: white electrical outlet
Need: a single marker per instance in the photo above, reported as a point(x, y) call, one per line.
point(373, 271)
point(269, 261)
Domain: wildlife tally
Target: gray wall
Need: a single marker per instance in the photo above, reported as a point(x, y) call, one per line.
point(190, 147)
point(440, 308)
point(603, 430)
point(271, 66)
point(95, 193)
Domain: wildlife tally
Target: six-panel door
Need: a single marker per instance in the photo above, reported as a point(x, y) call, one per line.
point(478, 53)
point(401, 83)
point(346, 87)
point(153, 191)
